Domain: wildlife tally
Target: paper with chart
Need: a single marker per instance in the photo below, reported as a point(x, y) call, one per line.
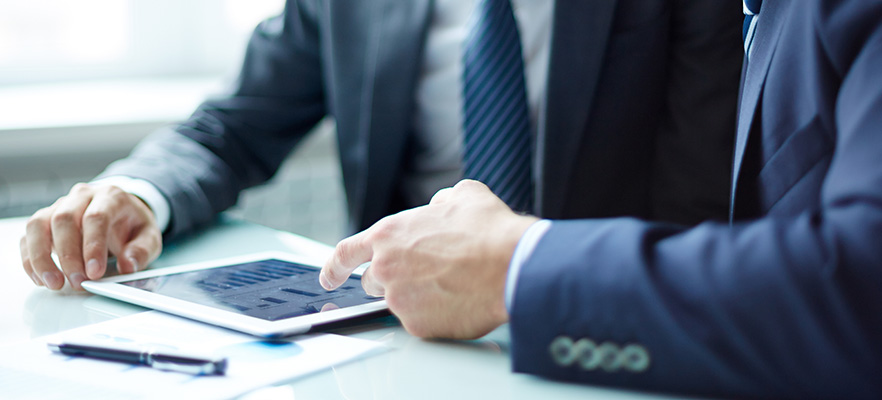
point(30, 370)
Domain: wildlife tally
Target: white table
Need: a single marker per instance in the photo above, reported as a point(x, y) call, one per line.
point(415, 369)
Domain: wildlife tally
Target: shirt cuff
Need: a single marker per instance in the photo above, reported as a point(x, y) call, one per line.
point(146, 191)
point(521, 254)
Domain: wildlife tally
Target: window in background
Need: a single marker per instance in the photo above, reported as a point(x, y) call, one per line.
point(81, 81)
point(60, 40)
point(43, 37)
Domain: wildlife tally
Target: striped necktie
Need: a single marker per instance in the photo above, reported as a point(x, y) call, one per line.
point(496, 119)
point(748, 31)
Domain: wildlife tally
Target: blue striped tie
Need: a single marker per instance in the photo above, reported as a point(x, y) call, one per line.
point(751, 10)
point(496, 117)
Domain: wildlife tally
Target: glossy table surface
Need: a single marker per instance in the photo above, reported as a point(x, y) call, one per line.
point(413, 369)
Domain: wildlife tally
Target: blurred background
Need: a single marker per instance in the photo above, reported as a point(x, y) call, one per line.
point(81, 82)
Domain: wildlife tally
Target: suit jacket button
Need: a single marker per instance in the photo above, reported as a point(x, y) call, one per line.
point(608, 353)
point(589, 357)
point(561, 350)
point(635, 358)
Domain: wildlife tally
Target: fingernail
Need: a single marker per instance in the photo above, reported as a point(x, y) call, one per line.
point(51, 280)
point(76, 280)
point(323, 280)
point(135, 266)
point(93, 268)
point(36, 279)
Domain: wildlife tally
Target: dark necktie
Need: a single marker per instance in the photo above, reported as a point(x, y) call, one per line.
point(496, 116)
point(751, 10)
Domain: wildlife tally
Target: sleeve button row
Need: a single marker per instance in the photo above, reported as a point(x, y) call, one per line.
point(607, 356)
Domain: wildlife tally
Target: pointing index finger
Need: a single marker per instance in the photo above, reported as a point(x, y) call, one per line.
point(348, 255)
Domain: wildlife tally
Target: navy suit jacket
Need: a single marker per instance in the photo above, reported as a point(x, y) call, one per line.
point(638, 119)
point(786, 301)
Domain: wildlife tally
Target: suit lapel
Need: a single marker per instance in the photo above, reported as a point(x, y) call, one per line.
point(394, 47)
point(772, 19)
point(580, 33)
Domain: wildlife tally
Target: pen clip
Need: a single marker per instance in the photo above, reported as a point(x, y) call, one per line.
point(176, 364)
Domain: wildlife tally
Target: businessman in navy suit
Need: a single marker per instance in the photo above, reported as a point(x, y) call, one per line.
point(785, 301)
point(631, 107)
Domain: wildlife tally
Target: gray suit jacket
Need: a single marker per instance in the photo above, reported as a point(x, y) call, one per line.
point(639, 117)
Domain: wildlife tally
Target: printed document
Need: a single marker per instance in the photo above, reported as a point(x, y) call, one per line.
point(31, 371)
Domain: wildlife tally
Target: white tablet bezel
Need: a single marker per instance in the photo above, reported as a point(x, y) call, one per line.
point(112, 287)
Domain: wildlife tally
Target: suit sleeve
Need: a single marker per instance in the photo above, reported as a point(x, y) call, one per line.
point(694, 145)
point(778, 307)
point(238, 140)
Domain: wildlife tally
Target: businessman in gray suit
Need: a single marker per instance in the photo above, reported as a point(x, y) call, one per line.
point(629, 112)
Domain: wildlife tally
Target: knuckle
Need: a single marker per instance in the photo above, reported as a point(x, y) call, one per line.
point(382, 230)
point(68, 259)
point(56, 203)
point(113, 198)
point(33, 222)
point(95, 247)
point(41, 216)
point(114, 192)
point(36, 222)
point(80, 188)
point(96, 217)
point(470, 184)
point(63, 218)
point(342, 255)
point(440, 195)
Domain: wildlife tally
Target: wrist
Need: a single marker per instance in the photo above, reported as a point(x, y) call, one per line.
point(159, 207)
point(513, 232)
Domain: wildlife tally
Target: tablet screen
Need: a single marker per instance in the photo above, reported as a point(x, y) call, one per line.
point(268, 289)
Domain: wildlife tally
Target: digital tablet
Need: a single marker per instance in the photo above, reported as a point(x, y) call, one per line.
point(265, 294)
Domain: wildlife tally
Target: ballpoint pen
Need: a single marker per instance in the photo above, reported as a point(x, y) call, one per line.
point(166, 361)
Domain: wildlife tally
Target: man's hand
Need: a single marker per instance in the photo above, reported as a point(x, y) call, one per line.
point(442, 267)
point(82, 228)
